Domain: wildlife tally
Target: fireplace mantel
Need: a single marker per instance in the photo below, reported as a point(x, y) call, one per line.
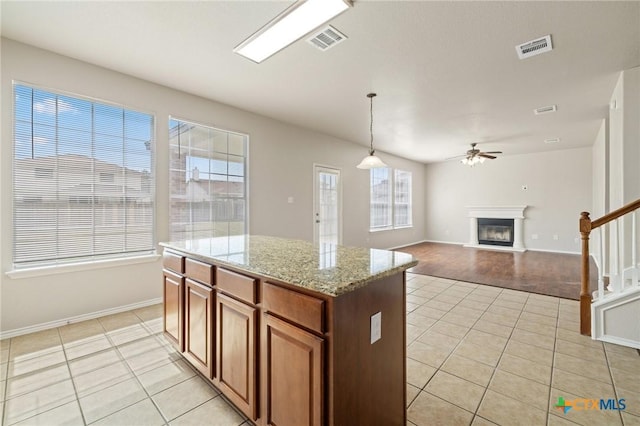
point(497, 212)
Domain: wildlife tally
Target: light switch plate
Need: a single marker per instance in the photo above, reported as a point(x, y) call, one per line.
point(376, 327)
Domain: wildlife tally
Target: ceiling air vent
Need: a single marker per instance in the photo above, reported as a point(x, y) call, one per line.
point(545, 109)
point(534, 47)
point(552, 140)
point(326, 38)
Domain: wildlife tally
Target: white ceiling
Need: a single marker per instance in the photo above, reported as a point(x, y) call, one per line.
point(446, 73)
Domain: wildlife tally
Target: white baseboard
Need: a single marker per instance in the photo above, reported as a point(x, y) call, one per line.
point(407, 245)
point(444, 242)
point(620, 341)
point(59, 323)
point(528, 249)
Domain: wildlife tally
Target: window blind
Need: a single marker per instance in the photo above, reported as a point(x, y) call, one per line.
point(380, 198)
point(402, 202)
point(83, 179)
point(207, 181)
point(390, 199)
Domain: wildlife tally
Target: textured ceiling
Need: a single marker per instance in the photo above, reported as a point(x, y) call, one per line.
point(446, 73)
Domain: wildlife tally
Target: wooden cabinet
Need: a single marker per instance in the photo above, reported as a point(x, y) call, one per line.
point(292, 375)
point(173, 290)
point(237, 353)
point(199, 326)
point(286, 355)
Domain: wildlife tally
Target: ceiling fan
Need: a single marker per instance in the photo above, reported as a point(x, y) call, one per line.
point(474, 155)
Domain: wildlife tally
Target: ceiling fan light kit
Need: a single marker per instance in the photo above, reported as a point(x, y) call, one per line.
point(475, 156)
point(291, 25)
point(371, 161)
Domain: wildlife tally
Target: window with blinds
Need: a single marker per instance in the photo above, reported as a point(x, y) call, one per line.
point(207, 181)
point(83, 179)
point(390, 199)
point(402, 199)
point(380, 198)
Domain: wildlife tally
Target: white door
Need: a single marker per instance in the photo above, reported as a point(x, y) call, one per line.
point(327, 209)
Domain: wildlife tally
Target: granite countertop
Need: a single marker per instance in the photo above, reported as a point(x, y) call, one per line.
point(326, 268)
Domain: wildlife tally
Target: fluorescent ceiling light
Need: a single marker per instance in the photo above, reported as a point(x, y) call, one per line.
point(294, 23)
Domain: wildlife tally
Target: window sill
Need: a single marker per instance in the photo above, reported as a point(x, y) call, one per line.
point(372, 231)
point(40, 271)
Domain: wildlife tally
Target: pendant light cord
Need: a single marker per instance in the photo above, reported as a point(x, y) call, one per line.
point(371, 96)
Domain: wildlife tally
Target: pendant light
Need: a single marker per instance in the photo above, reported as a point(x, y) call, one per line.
point(371, 161)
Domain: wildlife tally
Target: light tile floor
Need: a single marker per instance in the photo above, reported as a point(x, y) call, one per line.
point(485, 355)
point(477, 355)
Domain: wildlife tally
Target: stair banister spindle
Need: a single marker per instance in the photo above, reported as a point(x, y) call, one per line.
point(601, 268)
point(634, 249)
point(616, 267)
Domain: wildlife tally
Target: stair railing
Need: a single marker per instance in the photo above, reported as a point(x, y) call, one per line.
point(617, 272)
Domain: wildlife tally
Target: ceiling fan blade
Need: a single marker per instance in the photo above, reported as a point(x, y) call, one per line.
point(492, 152)
point(457, 156)
point(484, 154)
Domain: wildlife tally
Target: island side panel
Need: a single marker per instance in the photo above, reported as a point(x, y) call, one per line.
point(367, 381)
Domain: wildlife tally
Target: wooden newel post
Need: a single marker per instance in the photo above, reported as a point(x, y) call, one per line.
point(585, 294)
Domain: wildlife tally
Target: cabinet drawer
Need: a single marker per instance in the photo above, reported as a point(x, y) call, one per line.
point(173, 261)
point(297, 307)
point(199, 271)
point(238, 285)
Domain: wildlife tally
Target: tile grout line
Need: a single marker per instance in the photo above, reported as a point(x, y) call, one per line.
point(133, 373)
point(486, 389)
point(123, 360)
point(6, 385)
point(460, 341)
point(73, 383)
point(553, 369)
point(615, 389)
point(40, 388)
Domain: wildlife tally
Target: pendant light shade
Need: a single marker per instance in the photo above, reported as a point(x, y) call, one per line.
point(371, 161)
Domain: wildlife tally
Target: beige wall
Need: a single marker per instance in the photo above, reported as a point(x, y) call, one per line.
point(559, 188)
point(281, 165)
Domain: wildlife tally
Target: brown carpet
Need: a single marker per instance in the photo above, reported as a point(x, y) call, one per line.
point(553, 274)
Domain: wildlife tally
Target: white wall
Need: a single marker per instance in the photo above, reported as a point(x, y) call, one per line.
point(281, 159)
point(624, 153)
point(559, 188)
point(600, 173)
point(624, 137)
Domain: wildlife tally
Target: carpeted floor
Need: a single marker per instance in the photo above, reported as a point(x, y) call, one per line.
point(553, 274)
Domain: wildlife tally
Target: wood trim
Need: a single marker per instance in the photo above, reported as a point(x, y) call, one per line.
point(616, 214)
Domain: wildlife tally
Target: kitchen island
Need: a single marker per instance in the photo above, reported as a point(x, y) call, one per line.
point(291, 332)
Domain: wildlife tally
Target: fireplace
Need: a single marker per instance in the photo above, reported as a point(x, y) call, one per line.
point(497, 227)
point(495, 232)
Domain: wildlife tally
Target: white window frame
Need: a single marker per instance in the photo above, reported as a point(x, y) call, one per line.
point(59, 262)
point(382, 194)
point(212, 204)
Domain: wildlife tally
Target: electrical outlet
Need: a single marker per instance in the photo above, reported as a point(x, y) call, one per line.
point(555, 237)
point(290, 200)
point(376, 327)
point(534, 236)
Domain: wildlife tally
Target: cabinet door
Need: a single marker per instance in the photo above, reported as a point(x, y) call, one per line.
point(292, 375)
point(236, 349)
point(173, 286)
point(198, 332)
